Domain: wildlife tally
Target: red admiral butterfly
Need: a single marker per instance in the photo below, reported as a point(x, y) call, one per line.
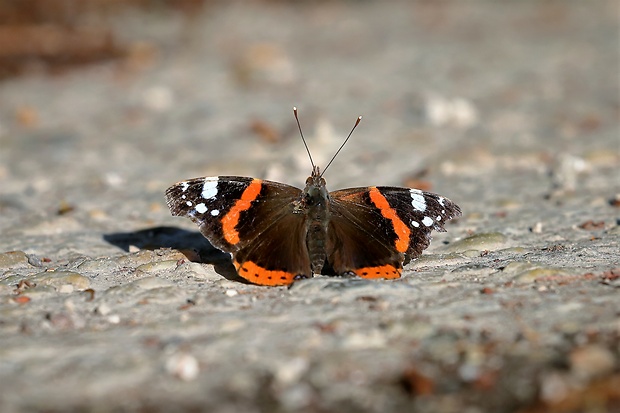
point(277, 233)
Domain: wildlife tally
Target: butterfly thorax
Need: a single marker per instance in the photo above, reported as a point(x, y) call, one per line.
point(314, 203)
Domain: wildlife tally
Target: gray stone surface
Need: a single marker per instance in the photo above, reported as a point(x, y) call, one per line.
point(511, 109)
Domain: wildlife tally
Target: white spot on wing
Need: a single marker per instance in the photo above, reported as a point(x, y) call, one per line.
point(441, 199)
point(438, 218)
point(184, 186)
point(427, 221)
point(215, 212)
point(201, 208)
point(209, 188)
point(189, 203)
point(417, 200)
point(415, 224)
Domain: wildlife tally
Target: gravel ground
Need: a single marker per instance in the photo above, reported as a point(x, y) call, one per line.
point(510, 109)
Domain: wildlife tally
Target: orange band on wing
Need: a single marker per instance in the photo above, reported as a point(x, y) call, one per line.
point(259, 275)
point(402, 231)
point(231, 219)
point(382, 271)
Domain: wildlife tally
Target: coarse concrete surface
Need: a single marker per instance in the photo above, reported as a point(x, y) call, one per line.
point(510, 109)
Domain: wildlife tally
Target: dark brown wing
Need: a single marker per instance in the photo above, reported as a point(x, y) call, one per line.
point(251, 219)
point(373, 231)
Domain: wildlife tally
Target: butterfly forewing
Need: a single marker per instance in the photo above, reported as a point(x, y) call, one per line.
point(422, 212)
point(373, 231)
point(250, 218)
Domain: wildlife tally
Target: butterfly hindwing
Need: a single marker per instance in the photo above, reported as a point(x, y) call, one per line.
point(250, 218)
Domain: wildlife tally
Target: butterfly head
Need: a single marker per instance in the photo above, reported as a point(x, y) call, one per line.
point(315, 185)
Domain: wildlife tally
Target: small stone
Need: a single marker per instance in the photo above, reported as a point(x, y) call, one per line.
point(470, 270)
point(98, 265)
point(58, 279)
point(291, 370)
point(158, 98)
point(114, 319)
point(591, 361)
point(150, 267)
point(517, 267)
point(591, 225)
point(232, 325)
point(480, 242)
point(537, 228)
point(198, 271)
point(368, 340)
point(13, 259)
point(554, 388)
point(471, 253)
point(22, 299)
point(231, 293)
point(184, 366)
point(541, 274)
point(147, 257)
point(103, 309)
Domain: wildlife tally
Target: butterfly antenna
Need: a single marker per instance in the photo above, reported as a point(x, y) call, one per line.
point(302, 137)
point(357, 122)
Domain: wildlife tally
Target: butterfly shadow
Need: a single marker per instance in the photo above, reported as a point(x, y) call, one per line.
point(179, 239)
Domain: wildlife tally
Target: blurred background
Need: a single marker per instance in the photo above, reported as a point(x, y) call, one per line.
point(105, 103)
point(509, 108)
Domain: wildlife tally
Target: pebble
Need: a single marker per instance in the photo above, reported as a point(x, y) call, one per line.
point(517, 267)
point(184, 366)
point(103, 309)
point(591, 361)
point(99, 264)
point(59, 279)
point(537, 228)
point(290, 371)
point(479, 242)
point(136, 259)
point(198, 271)
point(13, 259)
point(554, 388)
point(365, 340)
point(114, 319)
point(157, 266)
point(538, 274)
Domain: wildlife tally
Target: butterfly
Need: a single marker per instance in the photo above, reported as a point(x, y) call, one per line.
point(277, 233)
